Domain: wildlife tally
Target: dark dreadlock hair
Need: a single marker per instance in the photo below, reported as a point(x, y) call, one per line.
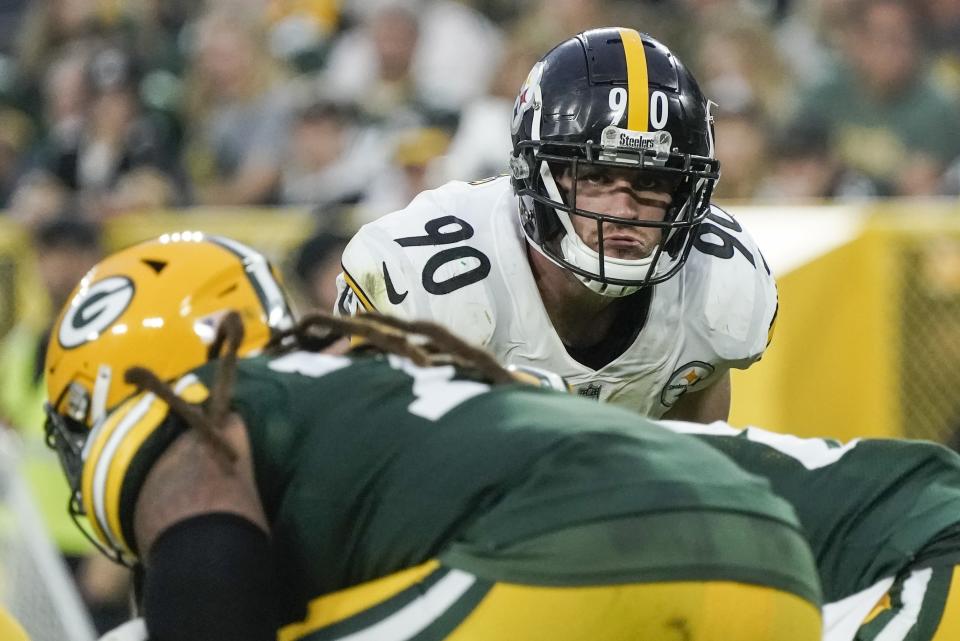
point(424, 343)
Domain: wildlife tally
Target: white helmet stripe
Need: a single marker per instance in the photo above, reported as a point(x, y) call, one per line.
point(537, 114)
point(710, 105)
point(102, 466)
point(554, 192)
point(258, 270)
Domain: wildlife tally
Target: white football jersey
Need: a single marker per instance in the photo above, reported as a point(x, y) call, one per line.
point(457, 256)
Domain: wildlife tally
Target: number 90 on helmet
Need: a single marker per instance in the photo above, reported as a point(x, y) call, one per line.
point(612, 98)
point(157, 305)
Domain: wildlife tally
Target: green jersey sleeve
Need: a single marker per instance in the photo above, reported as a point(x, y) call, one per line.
point(868, 507)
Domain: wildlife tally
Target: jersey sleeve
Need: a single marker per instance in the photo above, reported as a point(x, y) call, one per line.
point(377, 276)
point(735, 302)
point(120, 452)
point(811, 453)
point(869, 507)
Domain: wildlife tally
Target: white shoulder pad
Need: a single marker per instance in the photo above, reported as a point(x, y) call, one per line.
point(731, 295)
point(433, 260)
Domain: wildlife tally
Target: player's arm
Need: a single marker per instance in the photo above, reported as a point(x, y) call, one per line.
point(351, 299)
point(361, 276)
point(204, 540)
point(703, 406)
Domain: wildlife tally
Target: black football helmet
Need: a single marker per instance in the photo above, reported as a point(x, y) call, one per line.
point(614, 98)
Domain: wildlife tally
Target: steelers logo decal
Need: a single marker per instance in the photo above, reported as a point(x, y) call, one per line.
point(528, 97)
point(687, 378)
point(95, 309)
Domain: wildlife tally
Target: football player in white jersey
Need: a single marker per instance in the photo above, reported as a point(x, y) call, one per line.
point(600, 257)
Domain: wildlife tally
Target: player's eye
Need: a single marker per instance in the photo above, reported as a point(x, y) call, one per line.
point(656, 184)
point(594, 177)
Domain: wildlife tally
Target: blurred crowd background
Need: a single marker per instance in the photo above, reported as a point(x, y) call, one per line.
point(110, 106)
point(348, 108)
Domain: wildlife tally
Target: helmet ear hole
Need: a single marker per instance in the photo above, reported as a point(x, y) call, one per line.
point(156, 265)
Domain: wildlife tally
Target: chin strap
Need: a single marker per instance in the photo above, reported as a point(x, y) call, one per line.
point(606, 289)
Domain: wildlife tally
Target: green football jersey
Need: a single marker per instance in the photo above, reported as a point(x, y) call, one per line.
point(870, 508)
point(369, 465)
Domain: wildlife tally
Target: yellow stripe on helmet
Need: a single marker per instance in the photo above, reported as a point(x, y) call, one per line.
point(638, 93)
point(121, 461)
point(195, 393)
point(128, 426)
point(87, 489)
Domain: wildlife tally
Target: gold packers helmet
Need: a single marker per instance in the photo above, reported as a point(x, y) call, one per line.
point(156, 305)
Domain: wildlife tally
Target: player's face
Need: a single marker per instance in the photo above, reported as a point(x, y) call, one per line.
point(624, 194)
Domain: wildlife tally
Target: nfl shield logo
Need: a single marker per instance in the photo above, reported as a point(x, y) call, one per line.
point(591, 391)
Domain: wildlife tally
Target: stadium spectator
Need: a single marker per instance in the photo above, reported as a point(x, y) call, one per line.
point(301, 30)
point(481, 143)
point(743, 146)
point(886, 116)
point(546, 22)
point(16, 133)
point(65, 100)
point(942, 36)
point(65, 249)
point(411, 62)
point(49, 28)
point(316, 265)
point(38, 197)
point(741, 68)
point(372, 66)
point(458, 53)
point(417, 164)
point(804, 166)
point(806, 37)
point(116, 137)
point(331, 158)
point(238, 111)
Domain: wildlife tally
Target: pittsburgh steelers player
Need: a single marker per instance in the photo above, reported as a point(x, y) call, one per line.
point(600, 257)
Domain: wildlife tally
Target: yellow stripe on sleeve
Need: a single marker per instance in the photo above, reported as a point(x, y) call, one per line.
point(638, 92)
point(352, 284)
point(331, 608)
